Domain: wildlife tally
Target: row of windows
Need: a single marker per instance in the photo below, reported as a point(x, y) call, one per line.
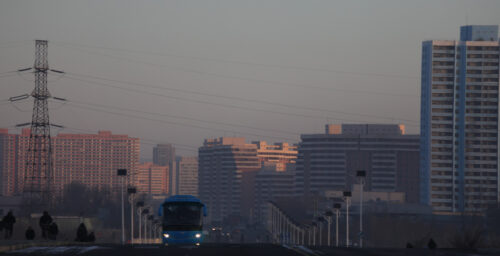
point(481, 103)
point(482, 87)
point(479, 71)
point(482, 48)
point(481, 64)
point(481, 56)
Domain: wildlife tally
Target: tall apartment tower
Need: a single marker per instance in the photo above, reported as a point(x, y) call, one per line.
point(92, 159)
point(164, 155)
point(459, 121)
point(222, 164)
point(187, 175)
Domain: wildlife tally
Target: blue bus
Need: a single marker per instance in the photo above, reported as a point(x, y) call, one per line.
point(182, 220)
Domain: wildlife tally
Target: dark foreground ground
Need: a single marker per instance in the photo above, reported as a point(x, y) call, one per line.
point(232, 249)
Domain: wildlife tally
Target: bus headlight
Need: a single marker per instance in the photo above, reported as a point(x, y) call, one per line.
point(198, 235)
point(166, 235)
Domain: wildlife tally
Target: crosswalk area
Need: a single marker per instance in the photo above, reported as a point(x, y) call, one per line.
point(59, 250)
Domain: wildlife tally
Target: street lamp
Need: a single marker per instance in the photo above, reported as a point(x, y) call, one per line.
point(347, 199)
point(131, 193)
point(122, 173)
point(320, 222)
point(361, 174)
point(151, 219)
point(156, 226)
point(336, 207)
point(329, 215)
point(140, 205)
point(313, 224)
point(145, 213)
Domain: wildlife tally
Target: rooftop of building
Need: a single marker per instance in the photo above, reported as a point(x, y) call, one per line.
point(479, 33)
point(149, 165)
point(240, 141)
point(472, 34)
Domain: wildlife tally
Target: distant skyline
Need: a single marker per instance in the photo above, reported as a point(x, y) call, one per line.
point(360, 60)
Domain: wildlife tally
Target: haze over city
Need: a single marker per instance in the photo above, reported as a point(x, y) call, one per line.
point(356, 57)
point(278, 127)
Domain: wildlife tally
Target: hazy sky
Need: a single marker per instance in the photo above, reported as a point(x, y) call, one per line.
point(181, 71)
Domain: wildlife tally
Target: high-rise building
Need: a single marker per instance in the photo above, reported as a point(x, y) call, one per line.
point(459, 121)
point(151, 179)
point(187, 176)
point(222, 164)
point(227, 174)
point(93, 159)
point(329, 161)
point(164, 155)
point(8, 162)
point(90, 159)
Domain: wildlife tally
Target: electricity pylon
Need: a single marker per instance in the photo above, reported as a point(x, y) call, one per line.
point(38, 166)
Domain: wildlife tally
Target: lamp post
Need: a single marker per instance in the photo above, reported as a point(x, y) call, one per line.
point(123, 173)
point(144, 213)
point(314, 232)
point(140, 205)
point(329, 215)
point(321, 220)
point(150, 221)
point(336, 207)
point(347, 199)
point(131, 193)
point(361, 174)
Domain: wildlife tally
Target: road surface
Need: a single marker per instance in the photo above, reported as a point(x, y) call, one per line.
point(231, 249)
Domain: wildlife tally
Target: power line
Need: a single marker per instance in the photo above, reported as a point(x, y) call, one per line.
point(276, 83)
point(176, 123)
point(14, 44)
point(181, 117)
point(205, 102)
point(237, 61)
point(239, 98)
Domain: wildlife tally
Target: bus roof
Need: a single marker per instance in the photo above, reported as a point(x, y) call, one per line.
point(182, 198)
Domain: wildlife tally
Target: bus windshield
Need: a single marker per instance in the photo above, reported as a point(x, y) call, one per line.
point(182, 216)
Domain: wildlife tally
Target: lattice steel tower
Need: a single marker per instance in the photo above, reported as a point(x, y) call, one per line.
point(38, 170)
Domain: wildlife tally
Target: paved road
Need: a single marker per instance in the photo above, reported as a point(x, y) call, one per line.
point(153, 250)
point(232, 249)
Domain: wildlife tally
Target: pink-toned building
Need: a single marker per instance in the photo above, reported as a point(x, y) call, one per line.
point(152, 179)
point(91, 159)
point(8, 162)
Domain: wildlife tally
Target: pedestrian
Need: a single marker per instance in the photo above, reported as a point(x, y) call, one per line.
point(45, 222)
point(81, 233)
point(432, 245)
point(91, 237)
point(30, 233)
point(53, 231)
point(8, 223)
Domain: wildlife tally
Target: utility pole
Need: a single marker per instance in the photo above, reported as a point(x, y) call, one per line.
point(123, 174)
point(140, 205)
point(38, 173)
point(361, 174)
point(131, 194)
point(329, 215)
point(347, 198)
point(337, 214)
